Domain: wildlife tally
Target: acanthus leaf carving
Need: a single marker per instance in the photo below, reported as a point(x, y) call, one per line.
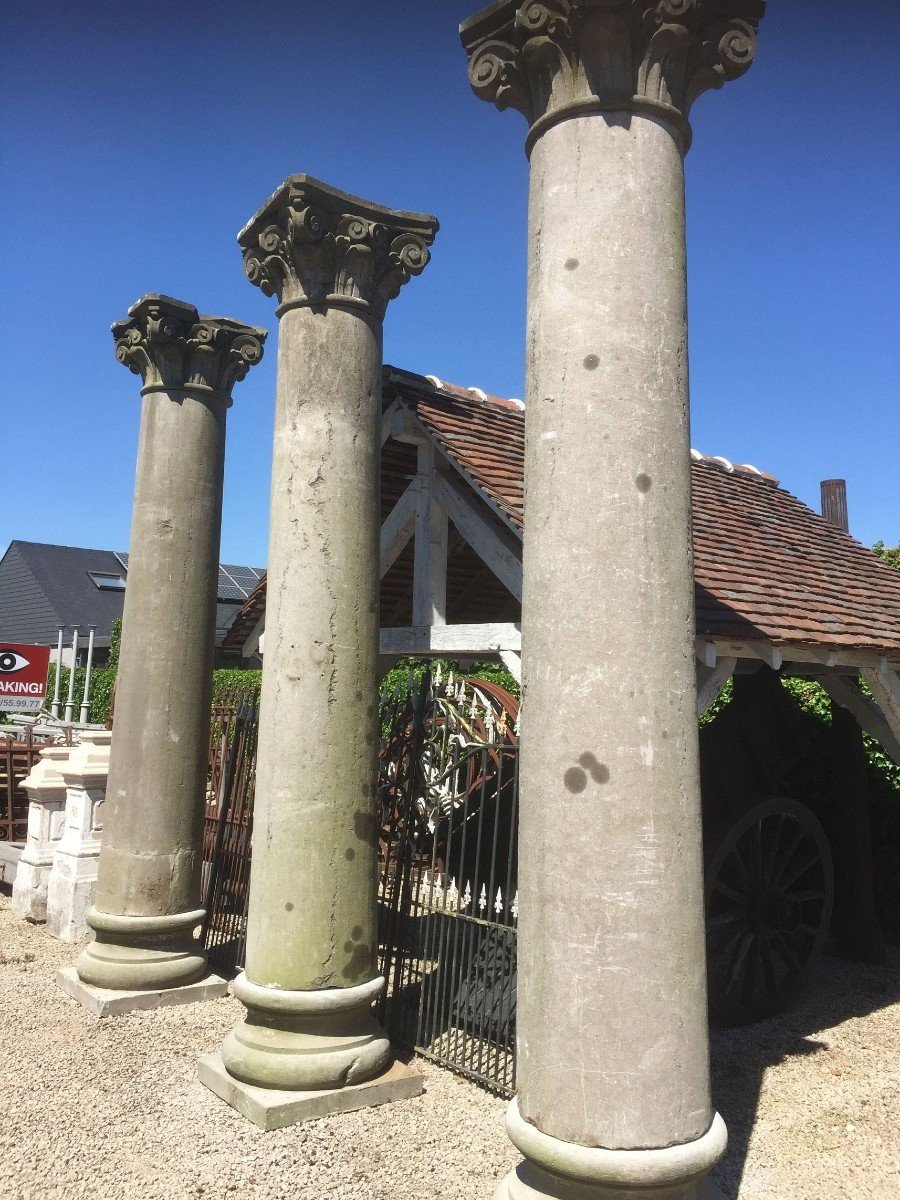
point(551, 58)
point(170, 345)
point(313, 245)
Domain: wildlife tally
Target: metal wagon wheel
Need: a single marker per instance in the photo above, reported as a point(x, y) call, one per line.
point(769, 893)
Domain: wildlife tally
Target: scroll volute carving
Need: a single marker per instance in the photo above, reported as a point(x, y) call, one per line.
point(171, 346)
point(549, 57)
point(313, 245)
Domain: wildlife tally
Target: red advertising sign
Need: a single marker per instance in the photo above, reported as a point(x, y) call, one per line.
point(23, 677)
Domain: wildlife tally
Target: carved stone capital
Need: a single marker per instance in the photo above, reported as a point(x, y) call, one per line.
point(311, 244)
point(552, 59)
point(172, 347)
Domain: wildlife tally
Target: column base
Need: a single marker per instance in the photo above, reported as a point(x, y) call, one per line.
point(557, 1170)
point(107, 1002)
point(142, 953)
point(273, 1108)
point(306, 1040)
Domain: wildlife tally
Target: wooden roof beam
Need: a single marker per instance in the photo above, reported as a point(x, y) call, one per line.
point(452, 639)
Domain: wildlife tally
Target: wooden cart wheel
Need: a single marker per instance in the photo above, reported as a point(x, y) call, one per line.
point(769, 892)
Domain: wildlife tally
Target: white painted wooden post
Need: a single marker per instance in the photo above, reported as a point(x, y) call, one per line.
point(430, 548)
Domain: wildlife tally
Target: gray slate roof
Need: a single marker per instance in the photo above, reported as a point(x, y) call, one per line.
point(44, 586)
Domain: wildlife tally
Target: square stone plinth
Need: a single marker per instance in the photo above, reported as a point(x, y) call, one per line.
point(104, 1002)
point(273, 1109)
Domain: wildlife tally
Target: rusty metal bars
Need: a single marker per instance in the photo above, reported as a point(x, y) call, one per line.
point(452, 966)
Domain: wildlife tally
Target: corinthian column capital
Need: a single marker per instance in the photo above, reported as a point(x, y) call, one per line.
point(311, 244)
point(172, 347)
point(552, 59)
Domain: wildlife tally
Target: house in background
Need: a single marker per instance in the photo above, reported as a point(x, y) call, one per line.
point(44, 587)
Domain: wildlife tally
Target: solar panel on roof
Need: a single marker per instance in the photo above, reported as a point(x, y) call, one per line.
point(228, 589)
point(244, 577)
point(235, 583)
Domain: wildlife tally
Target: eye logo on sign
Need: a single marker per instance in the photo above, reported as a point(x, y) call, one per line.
point(11, 662)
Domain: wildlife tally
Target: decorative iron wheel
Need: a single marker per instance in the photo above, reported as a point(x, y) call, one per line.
point(769, 893)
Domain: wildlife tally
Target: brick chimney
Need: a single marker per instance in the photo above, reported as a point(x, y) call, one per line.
point(834, 503)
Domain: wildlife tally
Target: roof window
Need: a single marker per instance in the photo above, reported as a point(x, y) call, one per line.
point(107, 582)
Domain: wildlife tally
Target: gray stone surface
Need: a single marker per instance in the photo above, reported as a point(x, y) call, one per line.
point(274, 1109)
point(611, 1025)
point(150, 859)
point(334, 261)
point(108, 1002)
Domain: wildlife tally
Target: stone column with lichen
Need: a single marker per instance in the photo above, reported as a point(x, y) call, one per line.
point(146, 904)
point(334, 261)
point(613, 1075)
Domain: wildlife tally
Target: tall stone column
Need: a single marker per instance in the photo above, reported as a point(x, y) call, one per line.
point(613, 1075)
point(147, 897)
point(334, 261)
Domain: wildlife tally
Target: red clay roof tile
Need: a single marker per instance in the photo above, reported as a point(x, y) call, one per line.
point(766, 566)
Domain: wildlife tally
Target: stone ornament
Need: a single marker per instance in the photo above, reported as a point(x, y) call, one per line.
point(552, 59)
point(311, 244)
point(173, 348)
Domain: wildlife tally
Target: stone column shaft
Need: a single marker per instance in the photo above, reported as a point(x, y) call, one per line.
point(316, 777)
point(147, 896)
point(613, 1064)
point(610, 720)
point(311, 977)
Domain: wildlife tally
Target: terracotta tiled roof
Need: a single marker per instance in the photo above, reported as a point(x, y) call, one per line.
point(766, 566)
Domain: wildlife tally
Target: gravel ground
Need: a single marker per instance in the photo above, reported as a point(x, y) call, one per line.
point(113, 1108)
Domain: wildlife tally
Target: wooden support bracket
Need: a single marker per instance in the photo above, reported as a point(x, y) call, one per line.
point(398, 527)
point(885, 688)
point(869, 716)
point(495, 546)
point(710, 681)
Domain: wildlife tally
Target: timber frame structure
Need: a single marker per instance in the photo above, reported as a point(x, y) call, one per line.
point(776, 583)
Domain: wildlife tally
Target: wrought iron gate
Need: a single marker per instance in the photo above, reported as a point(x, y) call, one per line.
point(447, 889)
point(229, 826)
point(449, 908)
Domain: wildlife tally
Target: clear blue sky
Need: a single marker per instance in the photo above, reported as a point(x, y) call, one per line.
point(139, 135)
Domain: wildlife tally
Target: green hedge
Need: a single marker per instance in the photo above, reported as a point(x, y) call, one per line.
point(408, 669)
point(230, 682)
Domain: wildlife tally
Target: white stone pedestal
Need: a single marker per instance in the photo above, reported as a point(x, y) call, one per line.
point(74, 870)
point(46, 790)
